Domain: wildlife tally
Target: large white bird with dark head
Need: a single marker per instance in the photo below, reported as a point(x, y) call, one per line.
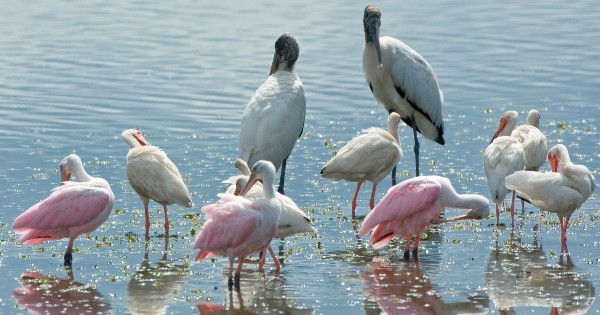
point(274, 117)
point(154, 176)
point(403, 82)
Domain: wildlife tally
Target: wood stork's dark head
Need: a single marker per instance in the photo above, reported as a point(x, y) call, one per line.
point(287, 51)
point(372, 22)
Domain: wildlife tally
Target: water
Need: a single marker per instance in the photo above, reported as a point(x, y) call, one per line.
point(73, 76)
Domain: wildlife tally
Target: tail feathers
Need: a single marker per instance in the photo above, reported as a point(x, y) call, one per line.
point(382, 234)
point(34, 237)
point(204, 254)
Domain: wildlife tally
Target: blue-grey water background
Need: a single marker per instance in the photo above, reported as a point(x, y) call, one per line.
point(73, 75)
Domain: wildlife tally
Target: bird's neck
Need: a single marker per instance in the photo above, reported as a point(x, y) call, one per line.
point(81, 175)
point(467, 201)
point(268, 190)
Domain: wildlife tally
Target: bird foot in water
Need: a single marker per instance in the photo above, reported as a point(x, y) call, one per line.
point(406, 255)
point(68, 259)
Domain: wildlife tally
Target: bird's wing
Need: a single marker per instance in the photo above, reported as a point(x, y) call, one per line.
point(366, 154)
point(413, 76)
point(545, 190)
point(229, 225)
point(273, 120)
point(402, 201)
point(70, 205)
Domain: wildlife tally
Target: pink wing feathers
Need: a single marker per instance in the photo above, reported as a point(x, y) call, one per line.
point(71, 209)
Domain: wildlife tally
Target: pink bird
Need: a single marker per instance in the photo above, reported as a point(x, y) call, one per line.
point(562, 191)
point(237, 226)
point(292, 220)
point(534, 143)
point(368, 157)
point(74, 208)
point(504, 156)
point(408, 208)
point(153, 176)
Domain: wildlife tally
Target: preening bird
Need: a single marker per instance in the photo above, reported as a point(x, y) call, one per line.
point(408, 208)
point(72, 209)
point(504, 156)
point(403, 81)
point(562, 191)
point(368, 157)
point(237, 227)
point(153, 176)
point(273, 119)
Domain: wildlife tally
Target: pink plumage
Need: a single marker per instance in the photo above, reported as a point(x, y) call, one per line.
point(409, 207)
point(72, 209)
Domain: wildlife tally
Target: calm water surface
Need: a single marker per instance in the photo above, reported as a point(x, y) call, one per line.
point(73, 76)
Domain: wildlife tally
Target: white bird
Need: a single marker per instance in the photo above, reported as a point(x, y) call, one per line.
point(292, 220)
point(370, 156)
point(403, 82)
point(562, 191)
point(273, 119)
point(504, 156)
point(153, 176)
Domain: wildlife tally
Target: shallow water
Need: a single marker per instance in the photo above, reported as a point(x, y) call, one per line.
point(73, 76)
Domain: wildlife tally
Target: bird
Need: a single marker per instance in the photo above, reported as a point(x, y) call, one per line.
point(403, 81)
point(561, 191)
point(370, 156)
point(273, 119)
point(502, 157)
point(236, 226)
point(292, 220)
point(72, 209)
point(534, 143)
point(153, 176)
point(409, 207)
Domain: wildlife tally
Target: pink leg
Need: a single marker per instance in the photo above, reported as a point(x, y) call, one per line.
point(275, 260)
point(230, 277)
point(358, 184)
point(416, 246)
point(563, 234)
point(166, 221)
point(372, 202)
point(522, 206)
point(261, 261)
point(554, 311)
point(147, 220)
point(497, 214)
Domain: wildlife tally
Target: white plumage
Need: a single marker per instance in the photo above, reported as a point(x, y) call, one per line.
point(403, 81)
point(533, 140)
point(274, 117)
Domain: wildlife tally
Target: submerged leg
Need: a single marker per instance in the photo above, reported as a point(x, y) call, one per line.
point(372, 201)
point(407, 249)
point(416, 246)
point(414, 128)
point(358, 184)
point(68, 256)
point(230, 277)
point(281, 179)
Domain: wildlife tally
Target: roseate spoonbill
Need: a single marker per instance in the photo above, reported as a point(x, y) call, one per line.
point(408, 208)
point(273, 119)
point(562, 191)
point(72, 209)
point(504, 156)
point(153, 176)
point(370, 156)
point(237, 226)
point(292, 220)
point(403, 82)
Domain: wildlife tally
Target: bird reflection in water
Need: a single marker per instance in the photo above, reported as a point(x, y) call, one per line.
point(519, 275)
point(153, 288)
point(41, 294)
point(259, 296)
point(402, 288)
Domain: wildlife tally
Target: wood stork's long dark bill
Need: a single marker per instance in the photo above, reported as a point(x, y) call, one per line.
point(372, 21)
point(287, 51)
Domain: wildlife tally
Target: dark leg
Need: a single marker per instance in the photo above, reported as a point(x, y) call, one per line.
point(416, 247)
point(281, 179)
point(230, 278)
point(394, 176)
point(414, 128)
point(236, 281)
point(68, 257)
point(407, 249)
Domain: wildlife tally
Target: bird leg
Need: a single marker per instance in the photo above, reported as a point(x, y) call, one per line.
point(416, 148)
point(497, 215)
point(563, 235)
point(416, 247)
point(394, 176)
point(407, 249)
point(512, 209)
point(275, 260)
point(147, 221)
point(282, 177)
point(372, 201)
point(230, 278)
point(262, 258)
point(166, 221)
point(358, 184)
point(68, 256)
